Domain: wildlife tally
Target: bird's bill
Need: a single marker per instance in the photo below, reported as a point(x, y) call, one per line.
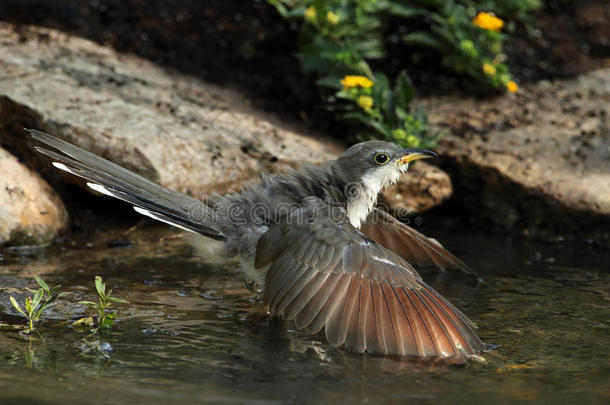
point(416, 154)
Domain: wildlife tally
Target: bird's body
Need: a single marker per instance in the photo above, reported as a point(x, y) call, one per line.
point(315, 244)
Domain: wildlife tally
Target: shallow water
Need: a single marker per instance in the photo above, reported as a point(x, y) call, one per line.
point(192, 333)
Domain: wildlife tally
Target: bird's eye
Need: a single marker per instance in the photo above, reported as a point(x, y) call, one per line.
point(381, 158)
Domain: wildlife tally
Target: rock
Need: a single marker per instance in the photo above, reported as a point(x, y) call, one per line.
point(538, 161)
point(425, 187)
point(30, 211)
point(185, 134)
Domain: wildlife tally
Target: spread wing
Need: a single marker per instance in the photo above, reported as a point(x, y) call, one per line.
point(409, 244)
point(323, 273)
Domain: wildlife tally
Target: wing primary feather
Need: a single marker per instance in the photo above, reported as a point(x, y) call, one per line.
point(456, 313)
point(330, 315)
point(428, 347)
point(350, 314)
point(442, 340)
point(295, 288)
point(317, 302)
point(291, 277)
point(471, 340)
point(281, 272)
point(408, 336)
point(363, 309)
point(457, 340)
point(305, 296)
point(392, 336)
point(380, 324)
point(372, 345)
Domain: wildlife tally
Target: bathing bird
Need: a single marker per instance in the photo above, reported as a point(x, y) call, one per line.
point(313, 246)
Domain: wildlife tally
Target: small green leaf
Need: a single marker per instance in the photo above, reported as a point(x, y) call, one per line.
point(41, 283)
point(28, 305)
point(91, 305)
point(423, 39)
point(16, 305)
point(330, 81)
point(404, 90)
point(100, 286)
point(37, 298)
point(118, 300)
point(402, 10)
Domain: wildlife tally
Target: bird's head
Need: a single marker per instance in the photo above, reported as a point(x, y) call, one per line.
point(377, 164)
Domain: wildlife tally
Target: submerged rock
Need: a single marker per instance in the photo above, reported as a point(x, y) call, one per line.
point(537, 162)
point(185, 134)
point(30, 211)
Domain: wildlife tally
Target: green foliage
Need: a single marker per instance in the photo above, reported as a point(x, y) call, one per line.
point(464, 46)
point(339, 37)
point(386, 111)
point(510, 10)
point(105, 316)
point(35, 305)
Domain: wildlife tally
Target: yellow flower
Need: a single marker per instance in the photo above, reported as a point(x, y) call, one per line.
point(488, 21)
point(489, 69)
point(310, 13)
point(356, 81)
point(512, 86)
point(365, 102)
point(332, 17)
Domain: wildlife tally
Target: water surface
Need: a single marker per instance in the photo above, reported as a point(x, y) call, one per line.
point(192, 333)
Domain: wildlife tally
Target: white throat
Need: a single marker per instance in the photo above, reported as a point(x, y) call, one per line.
point(360, 205)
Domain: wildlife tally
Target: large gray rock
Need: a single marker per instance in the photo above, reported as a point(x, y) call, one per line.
point(538, 161)
point(30, 211)
point(187, 135)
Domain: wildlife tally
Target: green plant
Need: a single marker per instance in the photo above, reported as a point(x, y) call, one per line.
point(339, 37)
point(38, 303)
point(511, 10)
point(386, 110)
point(469, 43)
point(105, 316)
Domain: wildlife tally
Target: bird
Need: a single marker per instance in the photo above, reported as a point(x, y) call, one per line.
point(313, 246)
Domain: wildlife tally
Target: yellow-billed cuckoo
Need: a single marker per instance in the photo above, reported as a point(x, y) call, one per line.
point(315, 243)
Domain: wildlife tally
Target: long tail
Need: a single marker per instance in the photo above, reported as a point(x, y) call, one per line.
point(148, 198)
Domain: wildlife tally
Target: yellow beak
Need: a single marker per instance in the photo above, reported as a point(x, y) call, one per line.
point(416, 154)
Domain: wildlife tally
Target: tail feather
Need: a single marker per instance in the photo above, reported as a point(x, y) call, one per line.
point(148, 198)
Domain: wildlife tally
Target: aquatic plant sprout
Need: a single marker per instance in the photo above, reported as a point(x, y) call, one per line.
point(35, 305)
point(105, 316)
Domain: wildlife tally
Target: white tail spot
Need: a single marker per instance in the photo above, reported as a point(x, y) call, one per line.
point(156, 217)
